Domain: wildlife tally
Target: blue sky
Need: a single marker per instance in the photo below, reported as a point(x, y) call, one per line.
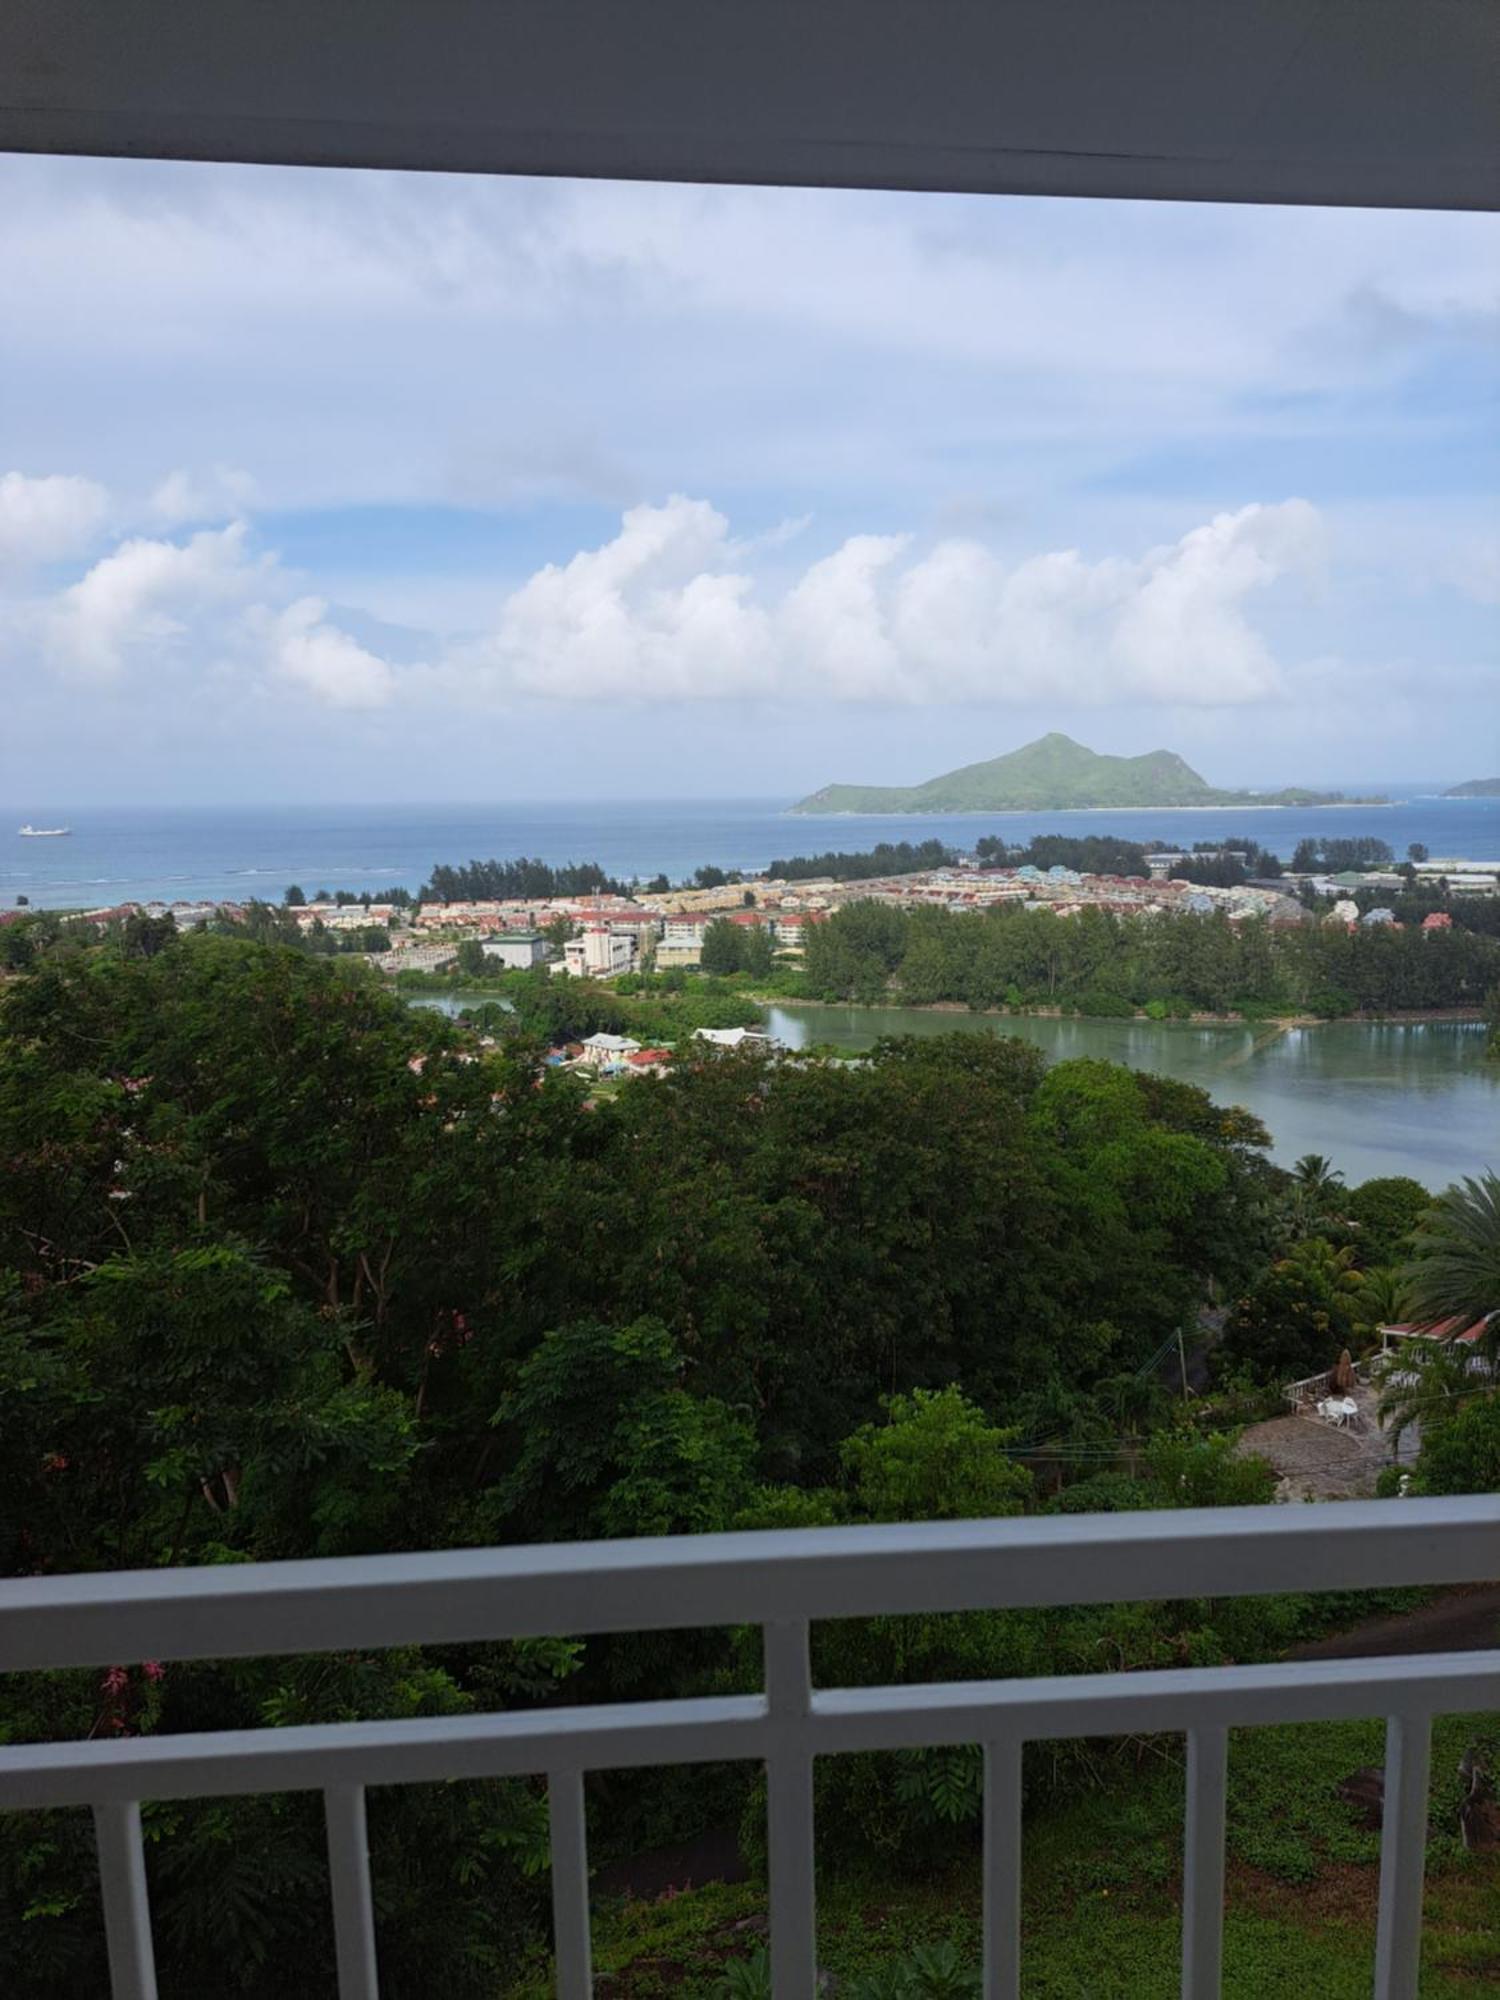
point(331, 484)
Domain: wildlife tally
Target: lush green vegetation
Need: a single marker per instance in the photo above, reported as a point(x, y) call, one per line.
point(1100, 1917)
point(730, 947)
point(1090, 854)
point(499, 881)
point(1223, 864)
point(665, 1008)
point(1101, 963)
point(1217, 863)
point(1337, 855)
point(295, 897)
point(899, 857)
point(289, 1267)
point(1422, 898)
point(1052, 773)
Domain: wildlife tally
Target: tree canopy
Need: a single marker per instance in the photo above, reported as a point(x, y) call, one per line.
point(290, 1267)
point(1101, 962)
point(499, 881)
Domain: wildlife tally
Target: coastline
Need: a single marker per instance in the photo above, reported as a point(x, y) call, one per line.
point(1413, 1017)
point(143, 855)
point(1410, 1017)
point(1030, 812)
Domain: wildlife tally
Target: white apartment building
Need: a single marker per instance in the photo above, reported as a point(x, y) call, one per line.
point(600, 952)
point(608, 1051)
point(517, 951)
point(1464, 878)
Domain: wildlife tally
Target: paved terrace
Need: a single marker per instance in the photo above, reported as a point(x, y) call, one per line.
point(1317, 1461)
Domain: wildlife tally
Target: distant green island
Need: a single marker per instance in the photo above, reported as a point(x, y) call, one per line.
point(1055, 774)
point(1476, 788)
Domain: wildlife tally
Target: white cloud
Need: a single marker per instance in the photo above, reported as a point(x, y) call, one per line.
point(655, 613)
point(302, 648)
point(1181, 622)
point(675, 609)
point(1475, 569)
point(356, 337)
point(44, 520)
point(156, 607)
point(836, 622)
point(142, 594)
point(997, 417)
point(184, 498)
point(663, 613)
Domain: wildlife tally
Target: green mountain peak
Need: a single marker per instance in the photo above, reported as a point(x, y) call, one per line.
point(1053, 774)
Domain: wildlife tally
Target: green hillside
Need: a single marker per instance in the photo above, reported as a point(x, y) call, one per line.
point(1052, 774)
point(1476, 788)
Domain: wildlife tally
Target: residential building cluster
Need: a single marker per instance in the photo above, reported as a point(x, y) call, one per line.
point(188, 916)
point(615, 934)
point(1065, 892)
point(622, 1055)
point(593, 937)
point(602, 936)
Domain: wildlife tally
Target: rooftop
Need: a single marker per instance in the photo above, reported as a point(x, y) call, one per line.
point(1457, 1328)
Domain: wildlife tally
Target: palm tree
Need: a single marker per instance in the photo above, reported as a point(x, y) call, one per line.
point(1455, 1267)
point(1316, 1185)
point(1422, 1381)
point(1334, 1269)
point(1317, 1173)
point(1383, 1299)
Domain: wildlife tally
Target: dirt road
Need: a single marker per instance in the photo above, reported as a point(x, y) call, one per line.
point(1460, 1621)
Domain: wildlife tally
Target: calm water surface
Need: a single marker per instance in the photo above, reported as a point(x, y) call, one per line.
point(117, 854)
point(1420, 1099)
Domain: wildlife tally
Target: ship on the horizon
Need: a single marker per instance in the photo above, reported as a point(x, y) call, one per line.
point(43, 832)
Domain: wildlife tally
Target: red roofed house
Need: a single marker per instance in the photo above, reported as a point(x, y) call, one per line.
point(1439, 920)
point(1459, 1329)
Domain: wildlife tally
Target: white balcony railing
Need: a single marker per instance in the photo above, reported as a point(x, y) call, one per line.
point(780, 1581)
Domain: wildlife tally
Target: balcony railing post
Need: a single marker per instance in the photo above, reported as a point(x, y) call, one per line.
point(353, 1904)
point(1002, 1868)
point(1203, 1864)
point(571, 1944)
point(789, 1814)
point(127, 1912)
point(1403, 1856)
point(779, 1581)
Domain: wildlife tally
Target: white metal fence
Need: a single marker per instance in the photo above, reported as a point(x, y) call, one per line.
point(782, 1582)
point(1311, 1389)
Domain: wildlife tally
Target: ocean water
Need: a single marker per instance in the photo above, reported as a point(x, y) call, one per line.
point(140, 854)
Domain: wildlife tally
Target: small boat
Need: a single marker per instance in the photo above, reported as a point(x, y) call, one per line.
point(43, 832)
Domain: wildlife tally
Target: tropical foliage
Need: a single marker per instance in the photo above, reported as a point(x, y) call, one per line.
point(1455, 1266)
point(1010, 956)
point(289, 1267)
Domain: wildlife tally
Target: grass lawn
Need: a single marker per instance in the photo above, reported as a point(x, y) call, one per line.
point(1100, 1891)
